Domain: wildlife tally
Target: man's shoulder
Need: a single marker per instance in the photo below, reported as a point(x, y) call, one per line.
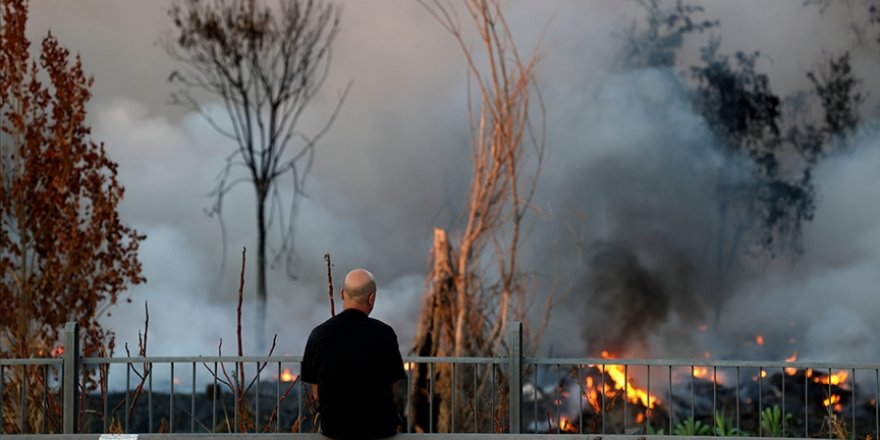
point(381, 326)
point(322, 329)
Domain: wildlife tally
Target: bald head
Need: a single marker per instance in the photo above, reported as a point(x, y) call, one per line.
point(359, 290)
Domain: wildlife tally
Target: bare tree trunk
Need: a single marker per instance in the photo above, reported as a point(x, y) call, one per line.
point(261, 271)
point(434, 338)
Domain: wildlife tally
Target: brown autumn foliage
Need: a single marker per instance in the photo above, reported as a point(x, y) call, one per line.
point(64, 253)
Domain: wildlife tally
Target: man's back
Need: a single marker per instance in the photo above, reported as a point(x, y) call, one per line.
point(354, 360)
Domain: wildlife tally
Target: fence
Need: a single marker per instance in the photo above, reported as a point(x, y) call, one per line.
point(491, 394)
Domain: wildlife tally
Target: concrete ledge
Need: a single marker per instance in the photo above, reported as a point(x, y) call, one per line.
point(312, 436)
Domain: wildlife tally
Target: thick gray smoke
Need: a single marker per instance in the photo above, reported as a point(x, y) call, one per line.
point(644, 200)
point(627, 196)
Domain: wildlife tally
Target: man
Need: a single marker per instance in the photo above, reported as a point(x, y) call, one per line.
point(353, 363)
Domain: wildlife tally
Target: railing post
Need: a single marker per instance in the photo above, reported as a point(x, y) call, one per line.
point(514, 393)
point(71, 376)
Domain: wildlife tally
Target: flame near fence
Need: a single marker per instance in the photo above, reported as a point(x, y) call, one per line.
point(494, 394)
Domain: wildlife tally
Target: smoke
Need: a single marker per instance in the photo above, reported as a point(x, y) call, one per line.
point(625, 235)
point(644, 194)
point(828, 298)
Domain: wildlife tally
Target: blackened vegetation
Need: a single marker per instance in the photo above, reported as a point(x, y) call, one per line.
point(804, 403)
point(761, 203)
point(840, 96)
point(208, 416)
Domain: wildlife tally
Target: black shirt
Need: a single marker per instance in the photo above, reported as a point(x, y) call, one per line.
point(354, 360)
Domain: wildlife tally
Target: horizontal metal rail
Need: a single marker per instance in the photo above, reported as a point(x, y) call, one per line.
point(34, 361)
point(702, 363)
point(586, 396)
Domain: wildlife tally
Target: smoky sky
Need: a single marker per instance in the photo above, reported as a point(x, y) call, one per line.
point(624, 190)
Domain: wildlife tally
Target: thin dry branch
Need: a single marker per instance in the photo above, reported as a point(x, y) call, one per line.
point(330, 284)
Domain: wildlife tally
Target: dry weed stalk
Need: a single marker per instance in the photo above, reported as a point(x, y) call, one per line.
point(330, 284)
point(836, 426)
point(237, 382)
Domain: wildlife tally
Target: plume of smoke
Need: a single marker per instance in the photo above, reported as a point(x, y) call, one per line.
point(628, 189)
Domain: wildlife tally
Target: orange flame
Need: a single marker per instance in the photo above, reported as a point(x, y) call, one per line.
point(833, 400)
point(791, 371)
point(703, 373)
point(834, 379)
point(566, 426)
point(618, 376)
point(287, 376)
point(759, 340)
point(592, 395)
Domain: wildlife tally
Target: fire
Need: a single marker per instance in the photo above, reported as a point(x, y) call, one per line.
point(593, 395)
point(703, 373)
point(407, 366)
point(176, 381)
point(57, 351)
point(759, 340)
point(287, 376)
point(566, 426)
point(791, 371)
point(763, 374)
point(833, 401)
point(618, 377)
point(834, 379)
point(640, 417)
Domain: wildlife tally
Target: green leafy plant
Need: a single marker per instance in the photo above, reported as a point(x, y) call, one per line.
point(772, 421)
point(654, 431)
point(725, 427)
point(691, 427)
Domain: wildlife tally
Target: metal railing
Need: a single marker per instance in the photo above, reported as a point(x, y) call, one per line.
point(514, 394)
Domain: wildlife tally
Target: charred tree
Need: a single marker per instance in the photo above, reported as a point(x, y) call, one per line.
point(264, 66)
point(761, 206)
point(657, 45)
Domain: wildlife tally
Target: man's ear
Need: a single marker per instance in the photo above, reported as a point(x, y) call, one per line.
point(371, 299)
point(342, 293)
